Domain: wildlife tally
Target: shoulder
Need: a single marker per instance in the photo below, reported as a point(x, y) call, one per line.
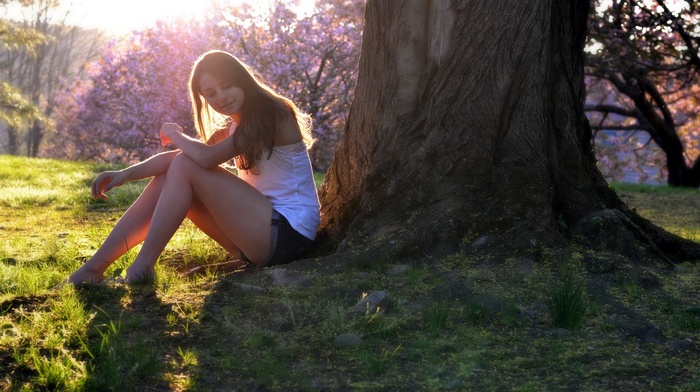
point(218, 136)
point(287, 130)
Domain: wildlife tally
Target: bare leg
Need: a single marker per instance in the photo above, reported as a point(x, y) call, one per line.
point(127, 233)
point(201, 218)
point(240, 213)
point(132, 228)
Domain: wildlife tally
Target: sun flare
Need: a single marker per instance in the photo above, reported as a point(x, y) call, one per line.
point(124, 16)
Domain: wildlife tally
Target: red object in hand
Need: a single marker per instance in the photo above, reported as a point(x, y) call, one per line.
point(164, 141)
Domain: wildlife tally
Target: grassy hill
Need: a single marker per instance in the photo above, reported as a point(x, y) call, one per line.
point(342, 323)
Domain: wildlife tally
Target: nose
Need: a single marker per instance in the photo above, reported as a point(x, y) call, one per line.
point(221, 97)
point(216, 95)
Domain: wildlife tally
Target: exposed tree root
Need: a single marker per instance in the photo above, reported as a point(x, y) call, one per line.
point(623, 233)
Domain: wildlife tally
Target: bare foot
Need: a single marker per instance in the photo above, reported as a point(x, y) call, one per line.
point(133, 276)
point(84, 276)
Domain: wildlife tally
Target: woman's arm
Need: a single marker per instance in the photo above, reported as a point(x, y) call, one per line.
point(204, 155)
point(155, 165)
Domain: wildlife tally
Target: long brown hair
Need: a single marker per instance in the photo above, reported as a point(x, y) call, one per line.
point(263, 108)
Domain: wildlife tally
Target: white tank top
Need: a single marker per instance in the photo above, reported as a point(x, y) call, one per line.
point(287, 180)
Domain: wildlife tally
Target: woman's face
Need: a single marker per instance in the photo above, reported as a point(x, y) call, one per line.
point(224, 97)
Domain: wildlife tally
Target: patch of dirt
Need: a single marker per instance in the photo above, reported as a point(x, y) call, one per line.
point(29, 303)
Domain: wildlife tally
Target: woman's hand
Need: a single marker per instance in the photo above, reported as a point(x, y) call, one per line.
point(167, 131)
point(106, 181)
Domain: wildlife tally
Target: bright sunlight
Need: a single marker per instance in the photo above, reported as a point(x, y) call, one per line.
point(124, 16)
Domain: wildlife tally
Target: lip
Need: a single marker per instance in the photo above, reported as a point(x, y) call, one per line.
point(228, 105)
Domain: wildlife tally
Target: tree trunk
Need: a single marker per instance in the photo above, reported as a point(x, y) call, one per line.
point(679, 173)
point(655, 118)
point(12, 141)
point(34, 137)
point(467, 129)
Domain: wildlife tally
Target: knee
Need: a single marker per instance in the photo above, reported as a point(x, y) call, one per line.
point(182, 164)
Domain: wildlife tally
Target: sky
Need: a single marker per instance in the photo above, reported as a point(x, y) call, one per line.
point(124, 16)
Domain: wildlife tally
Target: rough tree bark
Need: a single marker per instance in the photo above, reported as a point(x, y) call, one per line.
point(467, 129)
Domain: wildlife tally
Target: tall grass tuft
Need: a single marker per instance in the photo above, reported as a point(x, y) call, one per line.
point(567, 302)
point(435, 315)
point(57, 372)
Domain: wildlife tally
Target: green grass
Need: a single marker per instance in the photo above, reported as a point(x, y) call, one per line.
point(567, 304)
point(450, 324)
point(649, 201)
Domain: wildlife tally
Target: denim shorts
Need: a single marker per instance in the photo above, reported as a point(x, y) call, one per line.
point(286, 244)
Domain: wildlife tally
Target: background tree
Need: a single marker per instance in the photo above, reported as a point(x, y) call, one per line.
point(17, 110)
point(468, 132)
point(35, 71)
point(113, 115)
point(311, 58)
point(135, 85)
point(646, 53)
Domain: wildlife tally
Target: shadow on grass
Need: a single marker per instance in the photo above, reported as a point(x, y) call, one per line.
point(121, 351)
point(137, 340)
point(243, 333)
